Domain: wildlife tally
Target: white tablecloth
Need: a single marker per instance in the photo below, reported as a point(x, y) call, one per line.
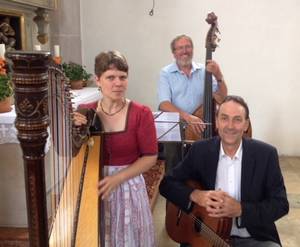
point(8, 132)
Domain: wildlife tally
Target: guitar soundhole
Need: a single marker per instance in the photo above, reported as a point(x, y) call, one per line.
point(198, 224)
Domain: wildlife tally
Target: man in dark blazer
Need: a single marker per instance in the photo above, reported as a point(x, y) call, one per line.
point(241, 179)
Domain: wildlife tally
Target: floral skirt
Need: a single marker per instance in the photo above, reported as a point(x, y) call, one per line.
point(128, 218)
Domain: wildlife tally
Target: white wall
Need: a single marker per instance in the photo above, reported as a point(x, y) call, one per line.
point(259, 52)
point(65, 30)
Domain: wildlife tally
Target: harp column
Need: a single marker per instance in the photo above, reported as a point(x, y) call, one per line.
point(30, 79)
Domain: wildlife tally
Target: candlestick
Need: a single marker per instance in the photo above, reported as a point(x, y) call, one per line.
point(57, 60)
point(2, 51)
point(56, 51)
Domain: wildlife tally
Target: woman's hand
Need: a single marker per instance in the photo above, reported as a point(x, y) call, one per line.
point(79, 119)
point(108, 185)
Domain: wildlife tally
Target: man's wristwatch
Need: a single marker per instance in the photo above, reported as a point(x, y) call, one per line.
point(221, 80)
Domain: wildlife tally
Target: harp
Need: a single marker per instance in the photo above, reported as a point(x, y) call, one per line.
point(62, 202)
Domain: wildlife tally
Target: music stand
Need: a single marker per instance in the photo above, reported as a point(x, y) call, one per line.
point(167, 126)
point(168, 129)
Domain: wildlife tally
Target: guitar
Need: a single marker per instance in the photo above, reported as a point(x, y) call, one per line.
point(197, 228)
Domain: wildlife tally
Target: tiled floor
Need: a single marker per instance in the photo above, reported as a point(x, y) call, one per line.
point(288, 226)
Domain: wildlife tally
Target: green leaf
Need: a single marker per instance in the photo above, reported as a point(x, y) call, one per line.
point(75, 71)
point(5, 87)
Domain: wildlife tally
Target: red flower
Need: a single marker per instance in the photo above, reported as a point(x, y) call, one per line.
point(2, 67)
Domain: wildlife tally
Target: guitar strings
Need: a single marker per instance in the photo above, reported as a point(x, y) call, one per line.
point(208, 231)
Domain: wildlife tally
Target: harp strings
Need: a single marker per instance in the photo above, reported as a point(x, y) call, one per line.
point(63, 175)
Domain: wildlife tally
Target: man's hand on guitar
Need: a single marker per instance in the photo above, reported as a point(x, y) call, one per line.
point(228, 208)
point(208, 198)
point(217, 203)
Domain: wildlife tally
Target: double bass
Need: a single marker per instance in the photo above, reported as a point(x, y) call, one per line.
point(206, 111)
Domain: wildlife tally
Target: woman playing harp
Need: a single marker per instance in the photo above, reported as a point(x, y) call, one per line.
point(130, 148)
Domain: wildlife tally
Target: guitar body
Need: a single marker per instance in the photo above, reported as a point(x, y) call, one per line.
point(183, 228)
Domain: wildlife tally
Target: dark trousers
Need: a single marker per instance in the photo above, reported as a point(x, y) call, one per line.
point(246, 242)
point(251, 242)
point(173, 154)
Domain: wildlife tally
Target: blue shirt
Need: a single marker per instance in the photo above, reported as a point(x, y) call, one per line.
point(182, 91)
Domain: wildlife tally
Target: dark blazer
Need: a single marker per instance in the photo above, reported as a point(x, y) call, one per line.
point(263, 194)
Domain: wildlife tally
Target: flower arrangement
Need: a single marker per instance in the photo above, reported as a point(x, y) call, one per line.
point(5, 82)
point(6, 89)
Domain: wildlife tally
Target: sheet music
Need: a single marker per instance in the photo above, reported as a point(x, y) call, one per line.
point(167, 126)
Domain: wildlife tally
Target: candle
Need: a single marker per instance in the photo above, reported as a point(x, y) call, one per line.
point(2, 51)
point(56, 51)
point(37, 48)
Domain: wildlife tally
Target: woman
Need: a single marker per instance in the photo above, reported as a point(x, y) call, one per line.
point(130, 148)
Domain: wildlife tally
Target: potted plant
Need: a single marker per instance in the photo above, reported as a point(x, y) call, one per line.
point(6, 90)
point(77, 74)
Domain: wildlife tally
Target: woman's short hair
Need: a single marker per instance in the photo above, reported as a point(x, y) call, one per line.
point(110, 60)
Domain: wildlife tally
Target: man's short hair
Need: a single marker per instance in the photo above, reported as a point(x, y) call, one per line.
point(237, 99)
point(173, 42)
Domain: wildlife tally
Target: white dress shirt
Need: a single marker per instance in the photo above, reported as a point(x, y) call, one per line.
point(228, 179)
